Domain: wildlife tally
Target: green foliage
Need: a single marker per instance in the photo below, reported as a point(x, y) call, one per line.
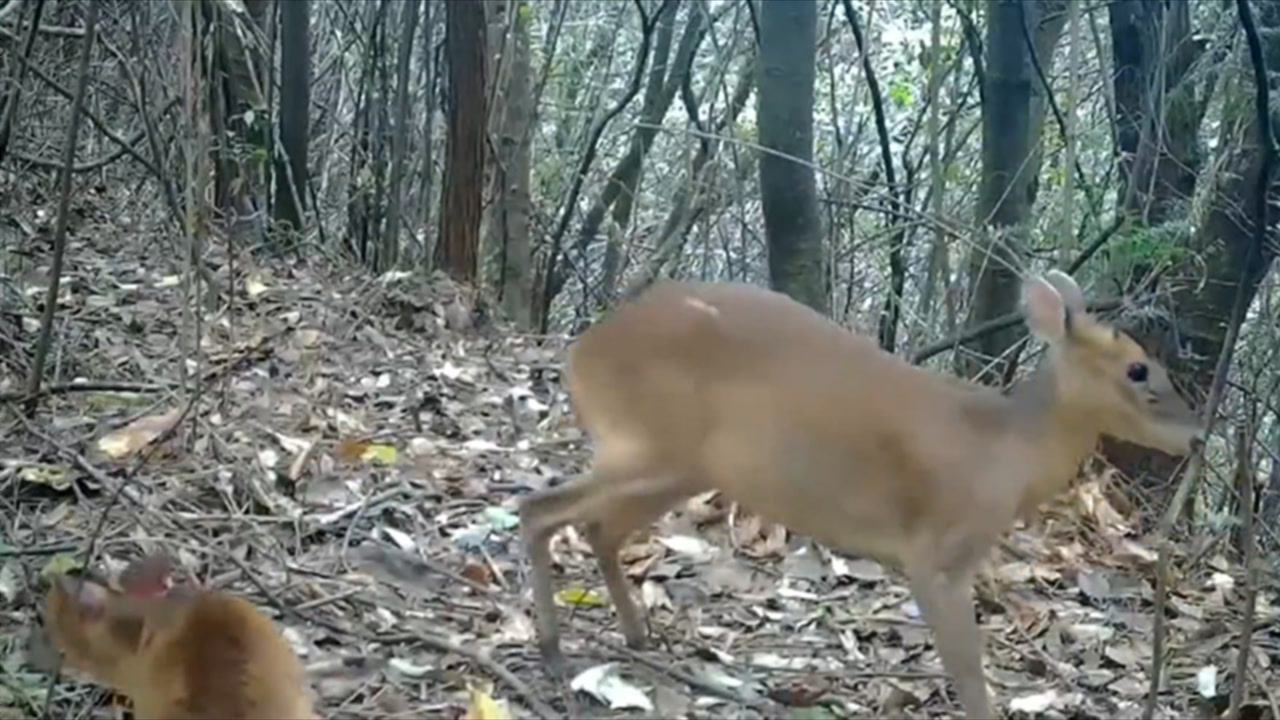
point(900, 92)
point(1158, 245)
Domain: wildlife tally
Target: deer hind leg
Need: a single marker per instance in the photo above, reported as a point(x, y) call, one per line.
point(946, 602)
point(606, 497)
point(606, 536)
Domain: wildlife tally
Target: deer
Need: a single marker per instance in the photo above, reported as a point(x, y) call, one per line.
point(179, 651)
point(692, 387)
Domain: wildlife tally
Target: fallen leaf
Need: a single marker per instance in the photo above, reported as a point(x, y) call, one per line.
point(477, 573)
point(1034, 704)
point(138, 434)
point(59, 564)
point(693, 547)
point(581, 596)
point(1207, 681)
point(482, 706)
point(604, 683)
point(48, 475)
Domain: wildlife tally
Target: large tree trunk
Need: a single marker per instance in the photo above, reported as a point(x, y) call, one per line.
point(1012, 115)
point(295, 104)
point(788, 193)
point(465, 48)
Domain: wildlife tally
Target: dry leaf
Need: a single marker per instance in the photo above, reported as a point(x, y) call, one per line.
point(482, 706)
point(138, 434)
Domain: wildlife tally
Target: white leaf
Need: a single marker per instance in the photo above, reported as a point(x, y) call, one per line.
point(1034, 704)
point(408, 669)
point(1207, 681)
point(603, 683)
point(688, 545)
point(399, 538)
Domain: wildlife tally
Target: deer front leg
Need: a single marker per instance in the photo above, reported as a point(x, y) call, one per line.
point(946, 602)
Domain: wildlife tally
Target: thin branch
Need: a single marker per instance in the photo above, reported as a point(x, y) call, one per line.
point(1094, 204)
point(889, 313)
point(45, 338)
point(992, 326)
point(973, 41)
point(589, 157)
point(14, 100)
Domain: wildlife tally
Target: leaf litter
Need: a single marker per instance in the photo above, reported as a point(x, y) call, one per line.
point(354, 466)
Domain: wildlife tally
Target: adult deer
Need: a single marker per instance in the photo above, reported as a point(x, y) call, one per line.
point(694, 387)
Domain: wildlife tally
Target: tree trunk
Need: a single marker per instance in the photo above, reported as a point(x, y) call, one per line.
point(788, 192)
point(465, 49)
point(427, 187)
point(295, 103)
point(235, 81)
point(508, 228)
point(1012, 115)
point(390, 254)
point(1157, 120)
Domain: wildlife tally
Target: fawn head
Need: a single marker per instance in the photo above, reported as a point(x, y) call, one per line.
point(1103, 374)
point(99, 629)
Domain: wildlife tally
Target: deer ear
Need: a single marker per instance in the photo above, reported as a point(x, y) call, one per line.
point(1046, 312)
point(1066, 286)
point(148, 576)
point(89, 598)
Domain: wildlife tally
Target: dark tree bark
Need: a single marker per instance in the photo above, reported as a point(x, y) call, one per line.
point(295, 103)
point(1012, 115)
point(233, 82)
point(464, 157)
point(390, 254)
point(1224, 244)
point(793, 231)
point(1158, 116)
point(1156, 123)
point(429, 73)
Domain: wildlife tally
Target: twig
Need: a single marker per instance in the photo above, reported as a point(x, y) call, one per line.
point(45, 339)
point(68, 388)
point(128, 480)
point(444, 644)
point(439, 643)
point(994, 325)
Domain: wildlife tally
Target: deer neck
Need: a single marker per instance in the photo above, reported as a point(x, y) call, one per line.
point(1058, 433)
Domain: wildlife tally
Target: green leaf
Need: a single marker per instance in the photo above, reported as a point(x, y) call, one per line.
point(900, 93)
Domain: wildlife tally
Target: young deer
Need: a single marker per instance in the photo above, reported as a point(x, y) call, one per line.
point(694, 387)
point(179, 653)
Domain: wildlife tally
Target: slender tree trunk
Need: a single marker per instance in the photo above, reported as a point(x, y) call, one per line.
point(465, 48)
point(509, 226)
point(793, 229)
point(1012, 115)
point(295, 103)
point(390, 254)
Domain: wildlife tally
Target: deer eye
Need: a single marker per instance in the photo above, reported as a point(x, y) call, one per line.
point(1137, 372)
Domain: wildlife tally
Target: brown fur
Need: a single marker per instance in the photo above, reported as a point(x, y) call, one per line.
point(181, 654)
point(696, 386)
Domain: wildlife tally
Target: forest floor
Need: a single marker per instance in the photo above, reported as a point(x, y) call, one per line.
point(353, 461)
